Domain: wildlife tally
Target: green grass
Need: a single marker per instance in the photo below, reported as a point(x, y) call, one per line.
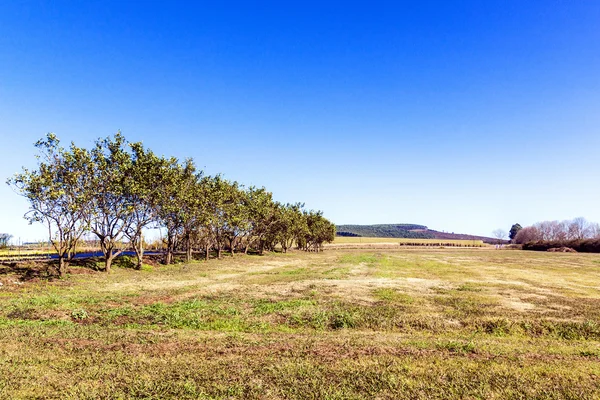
point(343, 324)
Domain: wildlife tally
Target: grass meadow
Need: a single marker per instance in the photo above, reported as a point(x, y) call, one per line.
point(407, 323)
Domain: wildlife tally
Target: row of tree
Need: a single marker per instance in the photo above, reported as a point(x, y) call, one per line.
point(117, 190)
point(557, 231)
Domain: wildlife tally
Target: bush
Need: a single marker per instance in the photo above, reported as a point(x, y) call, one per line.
point(581, 246)
point(125, 262)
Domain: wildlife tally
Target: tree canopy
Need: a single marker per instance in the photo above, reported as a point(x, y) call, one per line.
point(512, 234)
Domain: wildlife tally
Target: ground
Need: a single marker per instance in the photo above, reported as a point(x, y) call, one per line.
point(394, 323)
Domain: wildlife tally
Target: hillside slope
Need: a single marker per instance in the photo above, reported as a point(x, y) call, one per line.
point(406, 231)
point(385, 230)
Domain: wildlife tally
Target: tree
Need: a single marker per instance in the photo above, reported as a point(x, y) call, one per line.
point(175, 202)
point(235, 214)
point(290, 224)
point(109, 211)
point(319, 231)
point(594, 230)
point(262, 212)
point(4, 239)
point(57, 194)
point(194, 213)
point(528, 234)
point(514, 230)
point(143, 186)
point(499, 234)
point(579, 229)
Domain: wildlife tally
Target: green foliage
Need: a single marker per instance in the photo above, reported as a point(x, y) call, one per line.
point(79, 314)
point(512, 234)
point(58, 194)
point(125, 262)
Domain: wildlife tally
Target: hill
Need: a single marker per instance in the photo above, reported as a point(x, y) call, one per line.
point(410, 231)
point(387, 230)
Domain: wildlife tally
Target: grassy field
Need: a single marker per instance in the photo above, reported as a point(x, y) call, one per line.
point(17, 251)
point(430, 242)
point(413, 323)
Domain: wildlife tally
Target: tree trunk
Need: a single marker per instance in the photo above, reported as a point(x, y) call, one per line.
point(219, 250)
point(170, 248)
point(139, 253)
point(247, 246)
point(107, 250)
point(62, 266)
point(138, 247)
point(207, 254)
point(188, 248)
point(108, 261)
point(232, 245)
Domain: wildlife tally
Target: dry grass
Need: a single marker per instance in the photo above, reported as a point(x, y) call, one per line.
point(407, 323)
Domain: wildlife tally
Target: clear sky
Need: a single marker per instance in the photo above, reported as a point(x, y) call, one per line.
point(465, 116)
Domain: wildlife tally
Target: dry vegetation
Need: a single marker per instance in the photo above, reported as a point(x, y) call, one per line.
point(408, 323)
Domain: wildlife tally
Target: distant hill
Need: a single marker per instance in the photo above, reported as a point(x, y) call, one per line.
point(412, 231)
point(387, 231)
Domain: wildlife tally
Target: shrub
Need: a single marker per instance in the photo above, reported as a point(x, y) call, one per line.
point(581, 246)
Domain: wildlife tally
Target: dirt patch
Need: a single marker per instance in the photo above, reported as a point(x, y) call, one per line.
point(81, 271)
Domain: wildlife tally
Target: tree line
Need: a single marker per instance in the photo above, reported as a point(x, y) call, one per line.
point(117, 189)
point(557, 231)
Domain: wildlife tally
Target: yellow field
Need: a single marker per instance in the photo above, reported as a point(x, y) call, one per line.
point(418, 242)
point(32, 251)
point(17, 251)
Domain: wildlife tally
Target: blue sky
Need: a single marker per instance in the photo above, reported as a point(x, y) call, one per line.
point(464, 116)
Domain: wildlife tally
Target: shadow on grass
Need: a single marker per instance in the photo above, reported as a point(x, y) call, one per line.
point(47, 270)
point(30, 271)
